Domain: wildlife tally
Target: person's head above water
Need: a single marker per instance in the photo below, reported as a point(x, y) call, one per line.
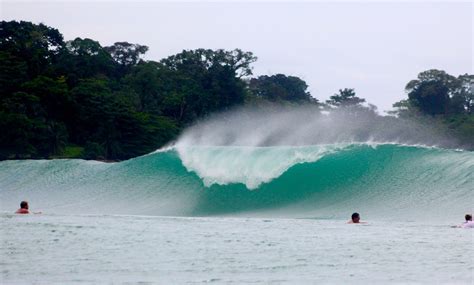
point(24, 205)
point(23, 208)
point(355, 217)
point(468, 217)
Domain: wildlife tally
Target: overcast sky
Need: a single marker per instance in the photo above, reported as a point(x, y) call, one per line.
point(373, 47)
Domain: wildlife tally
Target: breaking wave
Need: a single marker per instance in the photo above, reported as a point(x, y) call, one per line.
point(388, 181)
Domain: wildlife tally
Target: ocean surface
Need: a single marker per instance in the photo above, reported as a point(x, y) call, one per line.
point(242, 214)
point(79, 249)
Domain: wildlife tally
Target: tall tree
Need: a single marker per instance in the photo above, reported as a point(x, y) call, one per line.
point(280, 87)
point(463, 95)
point(345, 98)
point(35, 45)
point(202, 59)
point(431, 97)
point(433, 75)
point(437, 92)
point(126, 54)
point(84, 58)
point(205, 81)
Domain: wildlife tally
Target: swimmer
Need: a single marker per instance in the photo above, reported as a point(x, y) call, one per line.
point(24, 209)
point(468, 223)
point(355, 219)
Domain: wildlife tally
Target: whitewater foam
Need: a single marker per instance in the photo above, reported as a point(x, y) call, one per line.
point(251, 166)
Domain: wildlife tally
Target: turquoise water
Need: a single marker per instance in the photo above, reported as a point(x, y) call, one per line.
point(384, 182)
point(235, 214)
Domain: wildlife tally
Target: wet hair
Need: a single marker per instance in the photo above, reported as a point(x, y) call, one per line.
point(23, 204)
point(468, 217)
point(355, 215)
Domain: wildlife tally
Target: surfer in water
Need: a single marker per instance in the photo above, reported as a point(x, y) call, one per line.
point(355, 219)
point(468, 223)
point(24, 208)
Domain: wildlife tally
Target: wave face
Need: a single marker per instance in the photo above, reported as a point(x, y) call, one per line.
point(385, 181)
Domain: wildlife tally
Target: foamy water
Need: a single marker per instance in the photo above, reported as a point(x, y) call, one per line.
point(251, 166)
point(73, 249)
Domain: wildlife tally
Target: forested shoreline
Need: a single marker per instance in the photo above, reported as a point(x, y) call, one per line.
point(78, 99)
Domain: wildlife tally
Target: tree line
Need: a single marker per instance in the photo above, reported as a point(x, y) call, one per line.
point(80, 99)
point(448, 102)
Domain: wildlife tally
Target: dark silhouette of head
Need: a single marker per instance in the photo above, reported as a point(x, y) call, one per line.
point(24, 205)
point(468, 217)
point(355, 217)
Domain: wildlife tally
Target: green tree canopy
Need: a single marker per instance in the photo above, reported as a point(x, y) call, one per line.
point(431, 97)
point(436, 92)
point(84, 58)
point(35, 45)
point(125, 53)
point(202, 59)
point(463, 95)
point(345, 98)
point(204, 81)
point(280, 87)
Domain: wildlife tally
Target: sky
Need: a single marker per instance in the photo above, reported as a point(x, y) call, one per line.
point(375, 47)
